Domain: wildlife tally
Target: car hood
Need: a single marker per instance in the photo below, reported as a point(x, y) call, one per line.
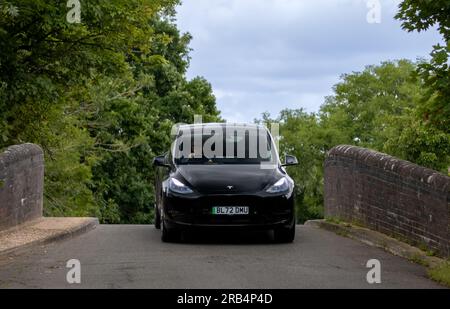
point(228, 178)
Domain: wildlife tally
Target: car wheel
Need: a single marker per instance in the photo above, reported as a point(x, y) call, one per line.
point(284, 235)
point(169, 235)
point(157, 218)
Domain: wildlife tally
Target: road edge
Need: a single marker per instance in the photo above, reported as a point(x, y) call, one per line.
point(379, 240)
point(437, 268)
point(86, 225)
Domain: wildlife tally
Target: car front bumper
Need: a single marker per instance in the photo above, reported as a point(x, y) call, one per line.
point(265, 212)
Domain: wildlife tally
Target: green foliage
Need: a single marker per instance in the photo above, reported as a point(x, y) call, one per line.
point(365, 102)
point(100, 97)
point(377, 108)
point(413, 140)
point(302, 137)
point(441, 273)
point(420, 15)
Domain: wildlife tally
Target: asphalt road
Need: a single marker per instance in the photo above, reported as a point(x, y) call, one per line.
point(126, 256)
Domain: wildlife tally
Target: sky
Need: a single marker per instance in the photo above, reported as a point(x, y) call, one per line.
point(268, 55)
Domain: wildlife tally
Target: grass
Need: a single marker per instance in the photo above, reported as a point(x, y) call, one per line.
point(430, 253)
point(337, 221)
point(342, 233)
point(418, 259)
point(2, 183)
point(333, 220)
point(441, 273)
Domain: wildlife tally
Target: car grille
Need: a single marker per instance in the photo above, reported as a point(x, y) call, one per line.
point(261, 210)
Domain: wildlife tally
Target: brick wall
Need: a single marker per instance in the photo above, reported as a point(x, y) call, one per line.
point(389, 195)
point(21, 184)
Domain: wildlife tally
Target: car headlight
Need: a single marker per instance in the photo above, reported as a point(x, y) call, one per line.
point(281, 185)
point(178, 187)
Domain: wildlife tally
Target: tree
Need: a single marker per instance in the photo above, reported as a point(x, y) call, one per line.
point(133, 121)
point(100, 97)
point(376, 108)
point(413, 140)
point(421, 15)
point(303, 137)
point(365, 102)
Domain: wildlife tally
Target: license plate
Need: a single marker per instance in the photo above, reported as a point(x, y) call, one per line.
point(230, 210)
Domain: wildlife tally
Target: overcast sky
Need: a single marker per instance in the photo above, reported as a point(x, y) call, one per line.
point(267, 55)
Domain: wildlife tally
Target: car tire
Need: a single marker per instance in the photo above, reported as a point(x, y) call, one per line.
point(157, 218)
point(284, 234)
point(169, 235)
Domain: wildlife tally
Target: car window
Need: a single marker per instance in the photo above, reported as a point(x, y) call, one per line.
point(224, 146)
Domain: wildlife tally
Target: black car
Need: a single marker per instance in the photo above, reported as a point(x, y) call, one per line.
point(224, 176)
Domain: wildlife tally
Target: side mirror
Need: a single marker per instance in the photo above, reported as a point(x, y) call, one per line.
point(290, 160)
point(160, 161)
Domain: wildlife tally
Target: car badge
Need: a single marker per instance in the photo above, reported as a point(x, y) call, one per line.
point(230, 187)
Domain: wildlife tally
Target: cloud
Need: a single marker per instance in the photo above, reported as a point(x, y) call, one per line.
point(267, 55)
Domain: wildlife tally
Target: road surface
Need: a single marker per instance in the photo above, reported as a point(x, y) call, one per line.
point(132, 256)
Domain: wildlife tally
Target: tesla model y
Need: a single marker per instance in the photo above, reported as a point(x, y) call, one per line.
point(224, 176)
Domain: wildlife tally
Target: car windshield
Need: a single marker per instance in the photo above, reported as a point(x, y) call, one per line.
point(223, 145)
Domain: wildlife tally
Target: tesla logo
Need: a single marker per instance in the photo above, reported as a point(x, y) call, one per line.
point(230, 187)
